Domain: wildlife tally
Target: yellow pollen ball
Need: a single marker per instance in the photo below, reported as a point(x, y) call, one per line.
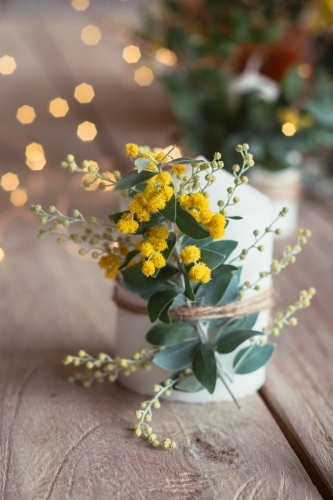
point(148, 268)
point(131, 149)
point(146, 249)
point(190, 254)
point(200, 272)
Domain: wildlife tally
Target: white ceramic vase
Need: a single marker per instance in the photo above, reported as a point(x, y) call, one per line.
point(284, 188)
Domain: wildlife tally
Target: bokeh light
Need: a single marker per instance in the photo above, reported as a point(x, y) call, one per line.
point(18, 197)
point(2, 254)
point(58, 107)
point(90, 35)
point(289, 129)
point(131, 54)
point(36, 164)
point(80, 4)
point(304, 70)
point(166, 57)
point(34, 151)
point(84, 93)
point(173, 151)
point(87, 131)
point(7, 65)
point(143, 76)
point(26, 114)
point(9, 181)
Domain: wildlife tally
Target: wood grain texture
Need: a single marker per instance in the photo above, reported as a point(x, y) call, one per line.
point(300, 378)
point(62, 442)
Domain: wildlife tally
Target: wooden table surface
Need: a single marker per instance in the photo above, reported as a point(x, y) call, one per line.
point(59, 441)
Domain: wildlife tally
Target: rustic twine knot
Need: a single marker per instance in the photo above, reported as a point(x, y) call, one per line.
point(259, 302)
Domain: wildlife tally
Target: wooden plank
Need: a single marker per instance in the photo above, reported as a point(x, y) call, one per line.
point(299, 389)
point(61, 441)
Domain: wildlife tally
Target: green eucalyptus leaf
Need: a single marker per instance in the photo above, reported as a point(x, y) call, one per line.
point(132, 179)
point(163, 334)
point(130, 256)
point(231, 292)
point(135, 281)
point(188, 292)
point(257, 357)
point(159, 300)
point(204, 366)
point(155, 220)
point(212, 292)
point(222, 269)
point(189, 226)
point(189, 384)
point(224, 247)
point(164, 316)
point(115, 217)
point(184, 161)
point(178, 356)
point(292, 85)
point(169, 211)
point(186, 241)
point(228, 342)
point(244, 323)
point(142, 163)
point(211, 259)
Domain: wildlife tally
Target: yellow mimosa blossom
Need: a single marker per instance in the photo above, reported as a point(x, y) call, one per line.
point(158, 232)
point(198, 201)
point(158, 244)
point(158, 260)
point(138, 245)
point(164, 178)
point(131, 149)
point(206, 215)
point(190, 254)
point(167, 192)
point(146, 249)
point(148, 268)
point(156, 203)
point(127, 224)
point(216, 226)
point(138, 207)
point(178, 169)
point(111, 265)
point(200, 272)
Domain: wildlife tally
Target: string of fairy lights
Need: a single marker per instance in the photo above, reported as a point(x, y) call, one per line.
point(84, 93)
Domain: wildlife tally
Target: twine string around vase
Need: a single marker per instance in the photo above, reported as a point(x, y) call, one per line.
point(259, 302)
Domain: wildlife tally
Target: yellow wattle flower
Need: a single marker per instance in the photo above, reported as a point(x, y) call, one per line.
point(190, 254)
point(131, 149)
point(200, 272)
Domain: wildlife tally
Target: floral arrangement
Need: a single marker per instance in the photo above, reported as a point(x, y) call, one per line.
point(168, 247)
point(252, 71)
